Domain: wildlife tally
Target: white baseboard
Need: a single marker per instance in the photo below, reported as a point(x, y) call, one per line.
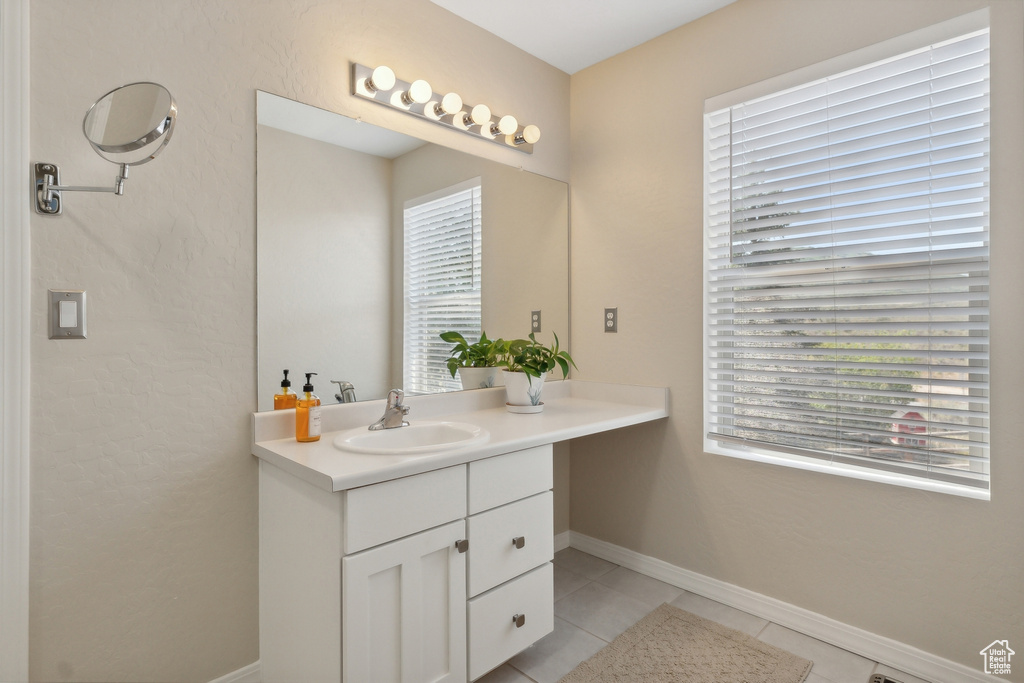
point(562, 540)
point(247, 674)
point(890, 652)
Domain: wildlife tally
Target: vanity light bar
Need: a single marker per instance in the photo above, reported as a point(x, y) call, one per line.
point(417, 98)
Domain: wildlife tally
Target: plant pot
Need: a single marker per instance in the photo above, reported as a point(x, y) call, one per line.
point(523, 390)
point(479, 378)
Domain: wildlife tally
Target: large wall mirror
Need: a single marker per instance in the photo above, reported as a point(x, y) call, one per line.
point(332, 200)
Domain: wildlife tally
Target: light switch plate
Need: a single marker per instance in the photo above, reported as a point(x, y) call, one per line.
point(73, 319)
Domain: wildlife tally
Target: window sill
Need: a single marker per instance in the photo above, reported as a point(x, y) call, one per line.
point(843, 470)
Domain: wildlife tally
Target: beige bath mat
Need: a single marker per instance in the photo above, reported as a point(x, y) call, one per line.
point(670, 645)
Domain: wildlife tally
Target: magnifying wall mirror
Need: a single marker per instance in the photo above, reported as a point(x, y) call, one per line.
point(128, 126)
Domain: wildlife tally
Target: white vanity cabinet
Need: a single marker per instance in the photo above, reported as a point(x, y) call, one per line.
point(361, 579)
point(403, 605)
point(511, 546)
point(439, 576)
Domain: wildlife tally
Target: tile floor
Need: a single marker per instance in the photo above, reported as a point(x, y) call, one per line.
point(596, 600)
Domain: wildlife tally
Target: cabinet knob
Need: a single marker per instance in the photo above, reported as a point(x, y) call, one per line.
point(462, 546)
point(519, 541)
point(519, 620)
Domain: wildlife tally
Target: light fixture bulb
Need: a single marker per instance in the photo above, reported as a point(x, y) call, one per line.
point(446, 108)
point(449, 104)
point(419, 92)
point(507, 125)
point(479, 115)
point(382, 78)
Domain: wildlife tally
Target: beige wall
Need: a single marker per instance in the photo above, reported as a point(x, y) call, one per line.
point(938, 572)
point(143, 517)
point(323, 265)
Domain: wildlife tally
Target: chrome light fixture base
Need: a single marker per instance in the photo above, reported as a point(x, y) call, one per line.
point(397, 97)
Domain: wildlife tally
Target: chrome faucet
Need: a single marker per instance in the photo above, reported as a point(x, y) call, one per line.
point(346, 392)
point(393, 413)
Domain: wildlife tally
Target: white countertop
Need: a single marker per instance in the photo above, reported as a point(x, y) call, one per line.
point(571, 408)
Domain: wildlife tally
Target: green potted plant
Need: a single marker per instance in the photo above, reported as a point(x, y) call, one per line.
point(477, 363)
point(527, 363)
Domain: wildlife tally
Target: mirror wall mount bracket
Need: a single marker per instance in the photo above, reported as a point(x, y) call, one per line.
point(48, 188)
point(417, 98)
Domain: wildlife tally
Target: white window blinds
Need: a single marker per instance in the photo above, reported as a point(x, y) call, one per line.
point(442, 283)
point(847, 267)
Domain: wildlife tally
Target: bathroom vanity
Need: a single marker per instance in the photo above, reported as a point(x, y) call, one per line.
point(424, 566)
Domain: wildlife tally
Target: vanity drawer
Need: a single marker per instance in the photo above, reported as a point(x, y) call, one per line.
point(493, 634)
point(505, 478)
point(494, 555)
point(383, 512)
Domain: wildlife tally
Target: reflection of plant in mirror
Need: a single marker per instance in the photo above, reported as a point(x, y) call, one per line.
point(535, 359)
point(481, 354)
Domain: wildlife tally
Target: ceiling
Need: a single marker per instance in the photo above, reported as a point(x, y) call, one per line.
point(573, 34)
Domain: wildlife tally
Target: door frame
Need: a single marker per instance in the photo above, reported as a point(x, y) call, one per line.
point(15, 272)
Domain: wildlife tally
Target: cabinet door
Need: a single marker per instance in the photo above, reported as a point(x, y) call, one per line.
point(404, 610)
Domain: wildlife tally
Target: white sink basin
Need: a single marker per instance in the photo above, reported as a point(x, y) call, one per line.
point(419, 437)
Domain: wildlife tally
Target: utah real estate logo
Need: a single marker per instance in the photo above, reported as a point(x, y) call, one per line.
point(997, 657)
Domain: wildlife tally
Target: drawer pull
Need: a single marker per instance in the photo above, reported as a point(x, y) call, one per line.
point(519, 620)
point(519, 541)
point(462, 546)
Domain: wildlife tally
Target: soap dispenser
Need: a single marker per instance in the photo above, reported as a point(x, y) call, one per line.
point(286, 397)
point(307, 413)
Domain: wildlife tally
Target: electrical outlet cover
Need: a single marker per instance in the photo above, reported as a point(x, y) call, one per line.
point(611, 320)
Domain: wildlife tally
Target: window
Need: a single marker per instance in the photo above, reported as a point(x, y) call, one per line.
point(846, 270)
point(442, 282)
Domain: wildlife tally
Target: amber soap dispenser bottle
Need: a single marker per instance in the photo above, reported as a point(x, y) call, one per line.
point(307, 413)
point(286, 398)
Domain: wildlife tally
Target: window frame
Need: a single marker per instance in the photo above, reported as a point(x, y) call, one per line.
point(474, 185)
point(888, 49)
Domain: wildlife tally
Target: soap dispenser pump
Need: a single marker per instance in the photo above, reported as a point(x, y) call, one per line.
point(307, 413)
point(286, 397)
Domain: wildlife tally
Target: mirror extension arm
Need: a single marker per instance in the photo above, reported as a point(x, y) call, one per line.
point(48, 187)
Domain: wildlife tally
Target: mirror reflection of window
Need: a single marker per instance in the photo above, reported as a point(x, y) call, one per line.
point(442, 282)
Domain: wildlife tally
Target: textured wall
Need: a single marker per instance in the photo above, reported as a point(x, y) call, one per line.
point(144, 525)
point(938, 572)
